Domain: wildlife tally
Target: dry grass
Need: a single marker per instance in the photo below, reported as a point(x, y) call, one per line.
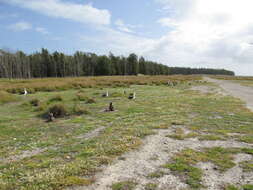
point(54, 84)
point(6, 97)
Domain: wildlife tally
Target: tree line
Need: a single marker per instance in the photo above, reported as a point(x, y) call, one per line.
point(44, 64)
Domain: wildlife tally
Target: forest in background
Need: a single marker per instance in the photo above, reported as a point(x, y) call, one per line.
point(45, 64)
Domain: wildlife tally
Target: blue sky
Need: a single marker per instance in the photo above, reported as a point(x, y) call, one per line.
point(190, 33)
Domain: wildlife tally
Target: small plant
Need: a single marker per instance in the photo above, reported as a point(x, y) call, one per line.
point(247, 187)
point(247, 138)
point(74, 180)
point(125, 185)
point(156, 174)
point(58, 110)
point(35, 102)
point(151, 186)
point(230, 187)
point(247, 166)
point(210, 138)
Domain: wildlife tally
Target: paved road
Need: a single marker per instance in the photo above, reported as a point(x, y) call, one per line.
point(243, 92)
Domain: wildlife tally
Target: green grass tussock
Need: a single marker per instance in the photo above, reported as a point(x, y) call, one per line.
point(6, 97)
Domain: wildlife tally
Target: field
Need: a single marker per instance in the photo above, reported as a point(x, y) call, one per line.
point(183, 130)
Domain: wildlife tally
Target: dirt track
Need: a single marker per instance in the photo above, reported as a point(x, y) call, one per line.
point(236, 90)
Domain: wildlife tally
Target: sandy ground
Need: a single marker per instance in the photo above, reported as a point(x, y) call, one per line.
point(156, 151)
point(243, 92)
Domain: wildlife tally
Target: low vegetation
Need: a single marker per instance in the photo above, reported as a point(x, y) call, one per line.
point(68, 155)
point(6, 97)
point(243, 80)
point(61, 84)
point(184, 163)
point(125, 185)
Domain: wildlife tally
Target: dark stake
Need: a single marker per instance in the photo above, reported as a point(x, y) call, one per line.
point(111, 108)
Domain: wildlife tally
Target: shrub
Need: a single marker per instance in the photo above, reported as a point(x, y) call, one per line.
point(59, 110)
point(35, 102)
point(6, 97)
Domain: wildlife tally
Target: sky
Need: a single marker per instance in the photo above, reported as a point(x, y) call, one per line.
point(184, 33)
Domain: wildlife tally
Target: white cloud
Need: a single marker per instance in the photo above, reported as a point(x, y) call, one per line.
point(215, 33)
point(123, 27)
point(20, 26)
point(23, 26)
point(119, 42)
point(84, 13)
point(41, 30)
point(201, 33)
point(168, 22)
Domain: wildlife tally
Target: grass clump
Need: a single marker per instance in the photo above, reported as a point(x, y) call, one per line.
point(116, 94)
point(247, 187)
point(81, 97)
point(247, 166)
point(79, 110)
point(156, 174)
point(57, 98)
point(125, 185)
point(151, 186)
point(192, 174)
point(90, 101)
point(58, 110)
point(75, 180)
point(35, 102)
point(180, 135)
point(210, 138)
point(6, 97)
point(247, 139)
point(230, 187)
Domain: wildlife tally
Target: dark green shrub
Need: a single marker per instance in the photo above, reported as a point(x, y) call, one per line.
point(58, 110)
point(35, 102)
